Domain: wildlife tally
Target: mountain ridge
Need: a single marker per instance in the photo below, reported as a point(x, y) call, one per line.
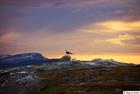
point(21, 60)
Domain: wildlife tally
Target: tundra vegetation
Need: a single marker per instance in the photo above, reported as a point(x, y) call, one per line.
point(95, 80)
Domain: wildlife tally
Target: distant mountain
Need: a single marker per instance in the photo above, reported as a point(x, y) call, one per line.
point(106, 63)
point(7, 61)
point(4, 56)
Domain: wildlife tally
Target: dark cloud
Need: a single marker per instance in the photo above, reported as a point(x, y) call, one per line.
point(39, 2)
point(135, 41)
point(13, 8)
point(131, 14)
point(21, 3)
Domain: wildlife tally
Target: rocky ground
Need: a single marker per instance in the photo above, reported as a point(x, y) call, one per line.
point(20, 81)
point(96, 80)
point(71, 77)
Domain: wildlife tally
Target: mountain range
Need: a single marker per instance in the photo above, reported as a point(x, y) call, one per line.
point(10, 61)
point(7, 61)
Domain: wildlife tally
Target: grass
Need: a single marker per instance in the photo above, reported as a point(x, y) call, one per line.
point(91, 81)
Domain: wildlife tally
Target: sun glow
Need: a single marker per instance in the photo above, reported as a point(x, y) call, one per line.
point(119, 26)
point(121, 58)
point(126, 58)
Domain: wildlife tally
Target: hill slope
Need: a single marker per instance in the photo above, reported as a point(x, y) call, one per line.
point(21, 60)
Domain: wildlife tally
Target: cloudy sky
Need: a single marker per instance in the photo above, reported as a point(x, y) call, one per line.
point(89, 28)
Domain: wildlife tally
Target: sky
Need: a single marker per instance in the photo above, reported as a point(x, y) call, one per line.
point(88, 28)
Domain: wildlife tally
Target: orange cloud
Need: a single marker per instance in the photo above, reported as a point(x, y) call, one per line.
point(112, 26)
point(120, 39)
point(119, 26)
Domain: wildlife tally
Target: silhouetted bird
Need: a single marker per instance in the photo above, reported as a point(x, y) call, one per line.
point(67, 52)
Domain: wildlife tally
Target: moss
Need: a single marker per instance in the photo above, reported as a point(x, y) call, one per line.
point(102, 80)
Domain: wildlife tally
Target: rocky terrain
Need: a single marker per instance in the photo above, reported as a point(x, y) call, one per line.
point(94, 80)
point(21, 80)
point(60, 76)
